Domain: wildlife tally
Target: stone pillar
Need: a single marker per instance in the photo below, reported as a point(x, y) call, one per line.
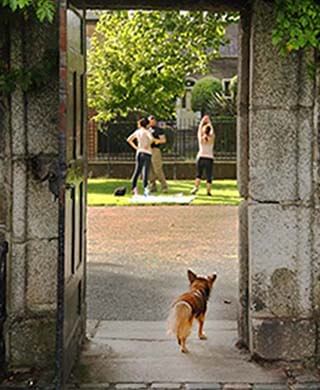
point(5, 155)
point(243, 174)
point(316, 214)
point(281, 200)
point(33, 238)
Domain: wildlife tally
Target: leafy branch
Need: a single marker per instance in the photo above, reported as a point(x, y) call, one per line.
point(297, 25)
point(44, 9)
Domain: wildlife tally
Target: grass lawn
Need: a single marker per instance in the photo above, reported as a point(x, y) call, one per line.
point(100, 192)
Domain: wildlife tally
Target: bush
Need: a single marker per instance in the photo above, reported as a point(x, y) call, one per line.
point(202, 91)
point(220, 104)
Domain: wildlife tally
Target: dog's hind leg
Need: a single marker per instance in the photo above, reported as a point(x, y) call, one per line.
point(201, 334)
point(183, 347)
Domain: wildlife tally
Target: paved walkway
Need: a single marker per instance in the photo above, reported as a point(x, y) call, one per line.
point(131, 355)
point(138, 258)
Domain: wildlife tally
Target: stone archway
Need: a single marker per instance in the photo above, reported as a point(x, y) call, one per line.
point(278, 175)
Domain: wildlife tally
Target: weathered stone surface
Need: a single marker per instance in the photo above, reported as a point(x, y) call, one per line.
point(43, 103)
point(42, 211)
point(243, 107)
point(316, 269)
point(237, 386)
point(243, 307)
point(33, 342)
point(281, 117)
point(283, 339)
point(281, 166)
point(273, 155)
point(170, 386)
point(42, 122)
point(306, 386)
point(42, 270)
point(305, 119)
point(17, 278)
point(18, 126)
point(203, 386)
point(280, 267)
point(307, 92)
point(19, 200)
point(3, 198)
point(274, 78)
point(270, 386)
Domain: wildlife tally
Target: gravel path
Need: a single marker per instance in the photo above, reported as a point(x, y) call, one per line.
point(138, 258)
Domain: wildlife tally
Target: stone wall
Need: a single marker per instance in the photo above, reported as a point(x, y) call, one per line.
point(316, 213)
point(279, 189)
point(31, 213)
point(4, 138)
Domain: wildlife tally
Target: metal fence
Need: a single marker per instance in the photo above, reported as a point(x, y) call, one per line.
point(182, 144)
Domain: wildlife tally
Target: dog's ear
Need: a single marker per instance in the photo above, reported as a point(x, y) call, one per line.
point(212, 278)
point(191, 276)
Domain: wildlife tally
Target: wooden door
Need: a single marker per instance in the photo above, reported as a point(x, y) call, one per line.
point(71, 316)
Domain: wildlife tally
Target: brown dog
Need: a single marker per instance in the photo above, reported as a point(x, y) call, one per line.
point(188, 306)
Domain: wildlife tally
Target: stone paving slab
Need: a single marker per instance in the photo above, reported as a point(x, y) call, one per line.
point(141, 352)
point(172, 386)
point(196, 386)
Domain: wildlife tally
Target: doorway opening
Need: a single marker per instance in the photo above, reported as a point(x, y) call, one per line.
point(132, 281)
point(138, 256)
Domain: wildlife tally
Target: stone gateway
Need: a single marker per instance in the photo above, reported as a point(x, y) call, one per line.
point(278, 178)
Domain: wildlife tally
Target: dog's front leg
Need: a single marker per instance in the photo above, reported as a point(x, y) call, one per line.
point(201, 334)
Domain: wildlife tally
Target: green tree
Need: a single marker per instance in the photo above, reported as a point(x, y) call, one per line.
point(44, 9)
point(138, 60)
point(297, 25)
point(202, 92)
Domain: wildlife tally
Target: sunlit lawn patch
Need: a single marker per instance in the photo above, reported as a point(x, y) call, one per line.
point(100, 192)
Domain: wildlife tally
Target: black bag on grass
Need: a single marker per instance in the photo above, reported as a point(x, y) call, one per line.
point(120, 191)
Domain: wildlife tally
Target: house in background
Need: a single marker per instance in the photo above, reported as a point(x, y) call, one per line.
point(223, 68)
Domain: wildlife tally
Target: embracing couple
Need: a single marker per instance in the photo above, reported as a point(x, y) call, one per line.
point(146, 140)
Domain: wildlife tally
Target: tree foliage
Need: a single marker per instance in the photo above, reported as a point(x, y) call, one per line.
point(44, 9)
point(138, 61)
point(202, 92)
point(297, 25)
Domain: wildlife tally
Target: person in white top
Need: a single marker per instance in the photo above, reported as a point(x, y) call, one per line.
point(204, 162)
point(141, 141)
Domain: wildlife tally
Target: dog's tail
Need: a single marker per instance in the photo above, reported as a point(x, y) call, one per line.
point(180, 320)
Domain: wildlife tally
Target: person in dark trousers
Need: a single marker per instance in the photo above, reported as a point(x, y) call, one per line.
point(204, 161)
point(156, 172)
point(141, 141)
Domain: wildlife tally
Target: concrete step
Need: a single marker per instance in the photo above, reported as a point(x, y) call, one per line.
point(142, 353)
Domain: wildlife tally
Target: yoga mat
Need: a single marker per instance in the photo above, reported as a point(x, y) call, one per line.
point(162, 199)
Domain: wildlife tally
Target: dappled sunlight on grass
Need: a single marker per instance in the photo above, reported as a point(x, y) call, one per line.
point(100, 192)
